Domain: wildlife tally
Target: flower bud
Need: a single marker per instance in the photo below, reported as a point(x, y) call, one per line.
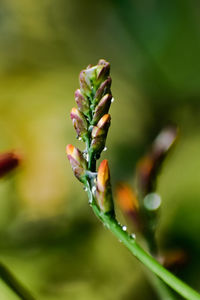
point(103, 89)
point(8, 162)
point(126, 199)
point(77, 161)
point(128, 203)
point(103, 70)
point(104, 122)
point(79, 122)
point(84, 86)
point(82, 102)
point(102, 108)
point(149, 166)
point(104, 192)
point(99, 134)
point(86, 79)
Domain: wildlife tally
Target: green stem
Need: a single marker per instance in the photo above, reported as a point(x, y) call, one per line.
point(171, 280)
point(161, 288)
point(14, 284)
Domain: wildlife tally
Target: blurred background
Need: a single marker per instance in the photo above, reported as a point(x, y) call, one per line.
point(49, 237)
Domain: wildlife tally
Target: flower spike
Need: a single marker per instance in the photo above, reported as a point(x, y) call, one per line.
point(91, 119)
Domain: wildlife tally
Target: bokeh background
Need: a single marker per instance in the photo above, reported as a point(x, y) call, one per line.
point(48, 235)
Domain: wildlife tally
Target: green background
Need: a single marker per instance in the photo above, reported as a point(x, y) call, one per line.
point(49, 237)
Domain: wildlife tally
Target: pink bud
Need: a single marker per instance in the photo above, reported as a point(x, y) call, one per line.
point(77, 161)
point(79, 122)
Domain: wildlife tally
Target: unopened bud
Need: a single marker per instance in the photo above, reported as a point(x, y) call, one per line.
point(8, 162)
point(84, 86)
point(77, 161)
point(103, 89)
point(128, 203)
point(82, 102)
point(86, 79)
point(127, 199)
point(103, 70)
point(79, 122)
point(104, 192)
point(104, 122)
point(150, 165)
point(102, 108)
point(99, 134)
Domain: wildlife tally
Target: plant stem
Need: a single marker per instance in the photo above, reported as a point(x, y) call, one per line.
point(14, 284)
point(161, 288)
point(171, 280)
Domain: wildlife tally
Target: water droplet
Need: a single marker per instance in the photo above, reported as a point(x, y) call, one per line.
point(124, 228)
point(133, 235)
point(152, 201)
point(80, 138)
point(113, 99)
point(105, 149)
point(90, 201)
point(85, 189)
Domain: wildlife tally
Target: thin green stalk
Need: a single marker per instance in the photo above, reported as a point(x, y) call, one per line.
point(130, 242)
point(14, 284)
point(161, 288)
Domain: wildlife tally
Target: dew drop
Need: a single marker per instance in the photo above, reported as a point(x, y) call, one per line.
point(105, 149)
point(133, 235)
point(80, 138)
point(152, 201)
point(124, 228)
point(113, 99)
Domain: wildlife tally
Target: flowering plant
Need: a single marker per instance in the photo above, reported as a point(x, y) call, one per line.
point(91, 122)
